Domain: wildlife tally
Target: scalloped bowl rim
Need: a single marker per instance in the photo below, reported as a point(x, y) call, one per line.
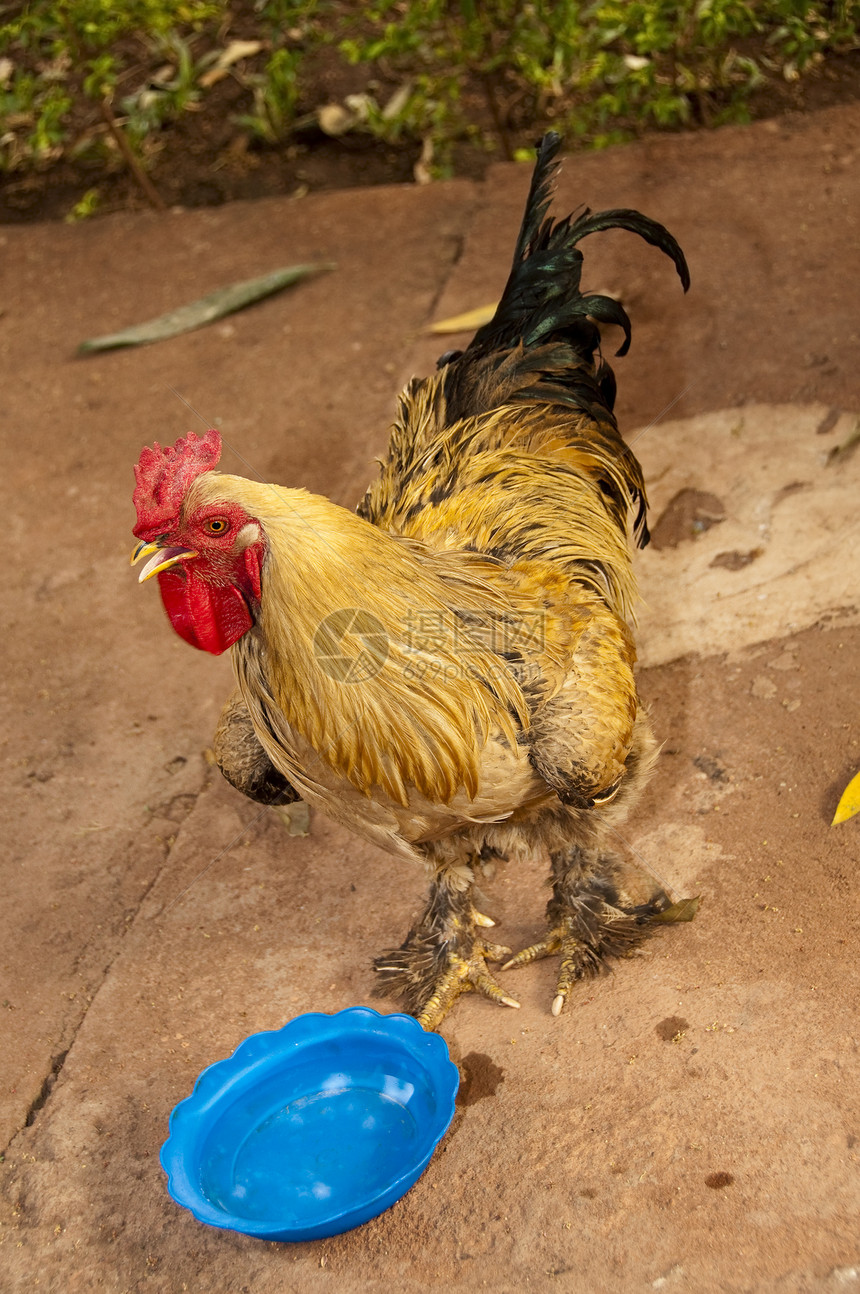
point(191, 1118)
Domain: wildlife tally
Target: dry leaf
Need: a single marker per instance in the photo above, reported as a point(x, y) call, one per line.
point(849, 443)
point(295, 817)
point(683, 910)
point(235, 51)
point(199, 313)
point(849, 804)
point(238, 49)
point(465, 322)
point(422, 171)
point(336, 120)
point(397, 102)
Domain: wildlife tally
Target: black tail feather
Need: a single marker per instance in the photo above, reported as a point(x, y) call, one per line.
point(542, 340)
point(540, 194)
point(633, 221)
point(542, 301)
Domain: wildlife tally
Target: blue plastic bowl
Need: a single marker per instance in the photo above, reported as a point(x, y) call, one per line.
point(314, 1128)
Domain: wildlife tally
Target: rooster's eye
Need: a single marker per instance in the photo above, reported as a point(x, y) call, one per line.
point(216, 525)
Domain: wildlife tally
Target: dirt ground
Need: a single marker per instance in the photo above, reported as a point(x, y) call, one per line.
point(692, 1122)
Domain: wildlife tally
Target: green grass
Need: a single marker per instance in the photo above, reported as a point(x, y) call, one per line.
point(98, 80)
point(602, 70)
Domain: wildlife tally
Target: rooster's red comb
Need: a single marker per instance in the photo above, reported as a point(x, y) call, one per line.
point(164, 475)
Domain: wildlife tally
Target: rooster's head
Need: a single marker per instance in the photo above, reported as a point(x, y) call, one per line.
point(207, 554)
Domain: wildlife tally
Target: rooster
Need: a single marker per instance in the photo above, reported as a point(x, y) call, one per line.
point(449, 670)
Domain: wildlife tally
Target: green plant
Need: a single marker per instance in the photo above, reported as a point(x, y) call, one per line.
point(290, 28)
point(276, 95)
point(64, 60)
point(101, 79)
point(32, 116)
point(86, 206)
point(605, 69)
point(169, 92)
point(437, 47)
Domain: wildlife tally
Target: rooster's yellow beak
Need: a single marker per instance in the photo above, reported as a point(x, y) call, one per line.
point(161, 558)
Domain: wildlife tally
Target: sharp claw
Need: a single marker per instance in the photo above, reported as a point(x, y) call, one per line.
point(487, 985)
point(480, 920)
point(558, 1004)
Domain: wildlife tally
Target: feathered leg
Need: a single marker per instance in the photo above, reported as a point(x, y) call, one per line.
point(444, 955)
point(590, 918)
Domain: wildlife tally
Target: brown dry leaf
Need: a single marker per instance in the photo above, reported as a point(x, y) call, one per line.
point(849, 804)
point(466, 322)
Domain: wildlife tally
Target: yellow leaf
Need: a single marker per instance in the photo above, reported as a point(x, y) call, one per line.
point(683, 910)
point(466, 322)
point(295, 817)
point(850, 802)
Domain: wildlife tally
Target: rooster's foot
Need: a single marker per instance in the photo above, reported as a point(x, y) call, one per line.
point(591, 919)
point(581, 958)
point(465, 975)
point(443, 957)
